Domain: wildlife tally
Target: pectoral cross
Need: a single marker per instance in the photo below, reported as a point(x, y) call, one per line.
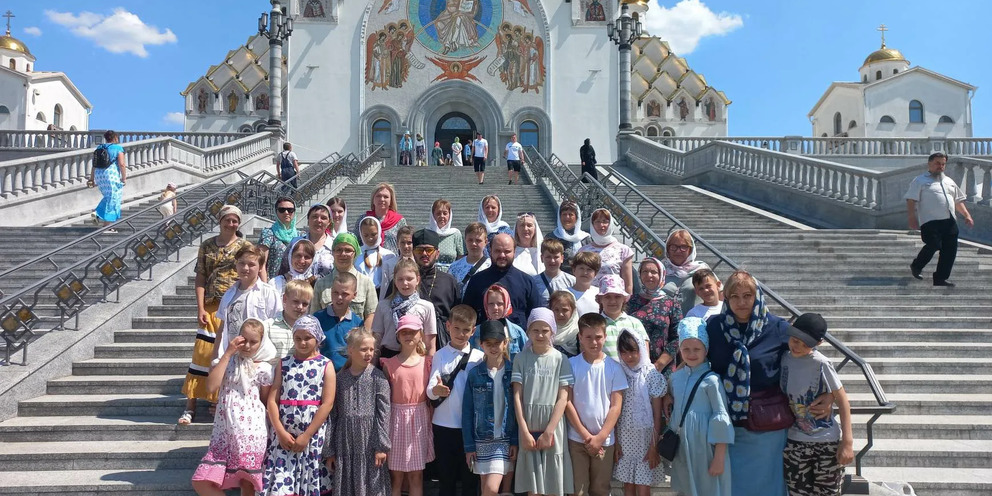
point(882, 29)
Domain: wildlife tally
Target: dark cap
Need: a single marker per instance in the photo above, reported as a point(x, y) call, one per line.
point(492, 329)
point(810, 328)
point(426, 237)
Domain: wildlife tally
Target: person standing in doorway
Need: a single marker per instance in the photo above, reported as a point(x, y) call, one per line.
point(933, 202)
point(421, 146)
point(514, 155)
point(456, 153)
point(480, 153)
point(406, 149)
point(289, 165)
point(587, 154)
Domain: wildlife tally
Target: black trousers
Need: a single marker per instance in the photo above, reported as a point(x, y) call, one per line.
point(449, 455)
point(591, 170)
point(942, 236)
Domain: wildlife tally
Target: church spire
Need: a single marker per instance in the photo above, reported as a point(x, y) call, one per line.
point(881, 28)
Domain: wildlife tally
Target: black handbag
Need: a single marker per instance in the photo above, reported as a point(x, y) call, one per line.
point(668, 445)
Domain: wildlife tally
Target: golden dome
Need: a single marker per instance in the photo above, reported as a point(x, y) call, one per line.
point(634, 2)
point(10, 43)
point(883, 55)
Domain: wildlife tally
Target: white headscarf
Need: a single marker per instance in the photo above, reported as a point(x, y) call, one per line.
point(445, 230)
point(293, 273)
point(246, 368)
point(608, 239)
point(535, 250)
point(370, 257)
point(492, 227)
point(689, 266)
point(637, 384)
point(577, 234)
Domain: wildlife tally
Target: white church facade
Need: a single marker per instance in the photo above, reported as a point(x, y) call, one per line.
point(363, 73)
point(32, 100)
point(893, 99)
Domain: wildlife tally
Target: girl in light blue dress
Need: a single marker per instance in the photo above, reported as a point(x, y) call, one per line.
point(702, 464)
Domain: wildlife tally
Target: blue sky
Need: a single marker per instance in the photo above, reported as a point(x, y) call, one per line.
point(773, 58)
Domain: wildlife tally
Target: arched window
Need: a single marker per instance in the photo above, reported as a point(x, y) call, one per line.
point(4, 110)
point(878, 75)
point(895, 71)
point(915, 111)
point(40, 117)
point(945, 120)
point(13, 65)
point(668, 132)
point(382, 132)
point(652, 131)
point(73, 128)
point(886, 119)
point(57, 116)
point(852, 125)
point(838, 124)
point(824, 135)
point(864, 79)
point(529, 134)
point(246, 129)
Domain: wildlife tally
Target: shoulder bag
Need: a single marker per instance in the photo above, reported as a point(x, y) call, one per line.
point(668, 445)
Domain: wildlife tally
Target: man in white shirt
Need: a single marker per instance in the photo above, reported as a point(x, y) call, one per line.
point(480, 153)
point(514, 155)
point(933, 202)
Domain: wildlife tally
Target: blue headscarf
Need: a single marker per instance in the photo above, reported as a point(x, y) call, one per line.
point(737, 382)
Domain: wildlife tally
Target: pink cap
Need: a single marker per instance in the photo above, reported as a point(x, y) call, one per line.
point(612, 284)
point(410, 321)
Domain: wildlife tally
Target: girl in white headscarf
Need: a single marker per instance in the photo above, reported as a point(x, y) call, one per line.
point(339, 216)
point(527, 236)
point(451, 246)
point(301, 255)
point(373, 257)
point(640, 417)
point(615, 257)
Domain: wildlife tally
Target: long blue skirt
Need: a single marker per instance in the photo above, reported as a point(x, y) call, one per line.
point(756, 463)
point(109, 182)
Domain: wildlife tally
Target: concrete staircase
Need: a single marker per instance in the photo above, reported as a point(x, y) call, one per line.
point(418, 187)
point(928, 346)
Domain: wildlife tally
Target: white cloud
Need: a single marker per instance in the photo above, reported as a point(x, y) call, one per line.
point(122, 32)
point(32, 30)
point(174, 118)
point(688, 21)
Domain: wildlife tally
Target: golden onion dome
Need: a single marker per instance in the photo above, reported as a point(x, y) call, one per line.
point(10, 43)
point(634, 2)
point(885, 55)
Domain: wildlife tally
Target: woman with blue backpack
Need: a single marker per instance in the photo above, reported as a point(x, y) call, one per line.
point(109, 173)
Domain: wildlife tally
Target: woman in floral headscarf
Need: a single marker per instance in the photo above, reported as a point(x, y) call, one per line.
point(660, 314)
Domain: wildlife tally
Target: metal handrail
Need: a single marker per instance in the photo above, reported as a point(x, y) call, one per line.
point(593, 189)
point(152, 244)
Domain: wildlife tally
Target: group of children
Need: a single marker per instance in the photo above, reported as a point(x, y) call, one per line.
point(312, 404)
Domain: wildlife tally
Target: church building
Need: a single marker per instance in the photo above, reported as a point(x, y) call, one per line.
point(33, 100)
point(361, 73)
point(893, 99)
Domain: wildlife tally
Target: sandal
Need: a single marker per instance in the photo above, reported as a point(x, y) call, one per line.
point(186, 418)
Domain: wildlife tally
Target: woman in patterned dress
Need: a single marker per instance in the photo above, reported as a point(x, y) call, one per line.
point(111, 182)
point(615, 257)
point(215, 273)
point(660, 314)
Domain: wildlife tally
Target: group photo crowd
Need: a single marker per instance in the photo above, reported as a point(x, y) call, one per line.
point(372, 357)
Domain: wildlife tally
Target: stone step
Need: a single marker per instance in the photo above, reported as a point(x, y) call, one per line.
point(898, 321)
point(896, 426)
point(928, 365)
point(189, 322)
point(943, 453)
point(100, 428)
point(908, 349)
point(935, 335)
point(134, 366)
point(102, 455)
point(128, 351)
point(112, 405)
point(154, 335)
point(110, 384)
point(938, 404)
point(855, 382)
point(148, 482)
point(937, 481)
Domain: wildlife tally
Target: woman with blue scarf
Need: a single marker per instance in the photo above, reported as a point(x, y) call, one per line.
point(746, 348)
point(278, 236)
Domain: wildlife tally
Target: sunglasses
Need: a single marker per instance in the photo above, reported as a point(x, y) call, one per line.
point(429, 250)
point(286, 210)
point(521, 214)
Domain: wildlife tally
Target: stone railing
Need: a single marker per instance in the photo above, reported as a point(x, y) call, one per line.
point(74, 140)
point(819, 191)
point(866, 147)
point(55, 170)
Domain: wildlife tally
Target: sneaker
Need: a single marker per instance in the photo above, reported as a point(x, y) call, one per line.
point(110, 231)
point(94, 219)
point(944, 283)
point(916, 273)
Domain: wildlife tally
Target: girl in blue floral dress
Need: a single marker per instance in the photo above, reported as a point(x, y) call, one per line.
point(301, 399)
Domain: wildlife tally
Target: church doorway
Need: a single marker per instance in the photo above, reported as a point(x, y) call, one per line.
point(451, 125)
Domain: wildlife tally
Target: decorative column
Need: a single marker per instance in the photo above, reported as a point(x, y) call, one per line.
point(623, 34)
point(277, 27)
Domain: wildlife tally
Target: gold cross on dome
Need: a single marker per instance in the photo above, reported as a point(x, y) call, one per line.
point(8, 15)
point(882, 29)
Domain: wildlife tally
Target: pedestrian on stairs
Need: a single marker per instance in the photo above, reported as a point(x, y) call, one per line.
point(110, 180)
point(289, 164)
point(406, 149)
point(480, 154)
point(421, 146)
point(243, 376)
point(514, 155)
point(934, 201)
point(215, 272)
point(587, 154)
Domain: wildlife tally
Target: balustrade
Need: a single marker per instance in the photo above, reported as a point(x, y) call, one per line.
point(74, 140)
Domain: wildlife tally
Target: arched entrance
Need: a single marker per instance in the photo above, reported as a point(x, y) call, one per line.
point(451, 125)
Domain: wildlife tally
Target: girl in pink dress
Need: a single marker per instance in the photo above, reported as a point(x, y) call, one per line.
point(237, 444)
point(410, 427)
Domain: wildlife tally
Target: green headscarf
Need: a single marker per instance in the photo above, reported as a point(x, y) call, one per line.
point(347, 238)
